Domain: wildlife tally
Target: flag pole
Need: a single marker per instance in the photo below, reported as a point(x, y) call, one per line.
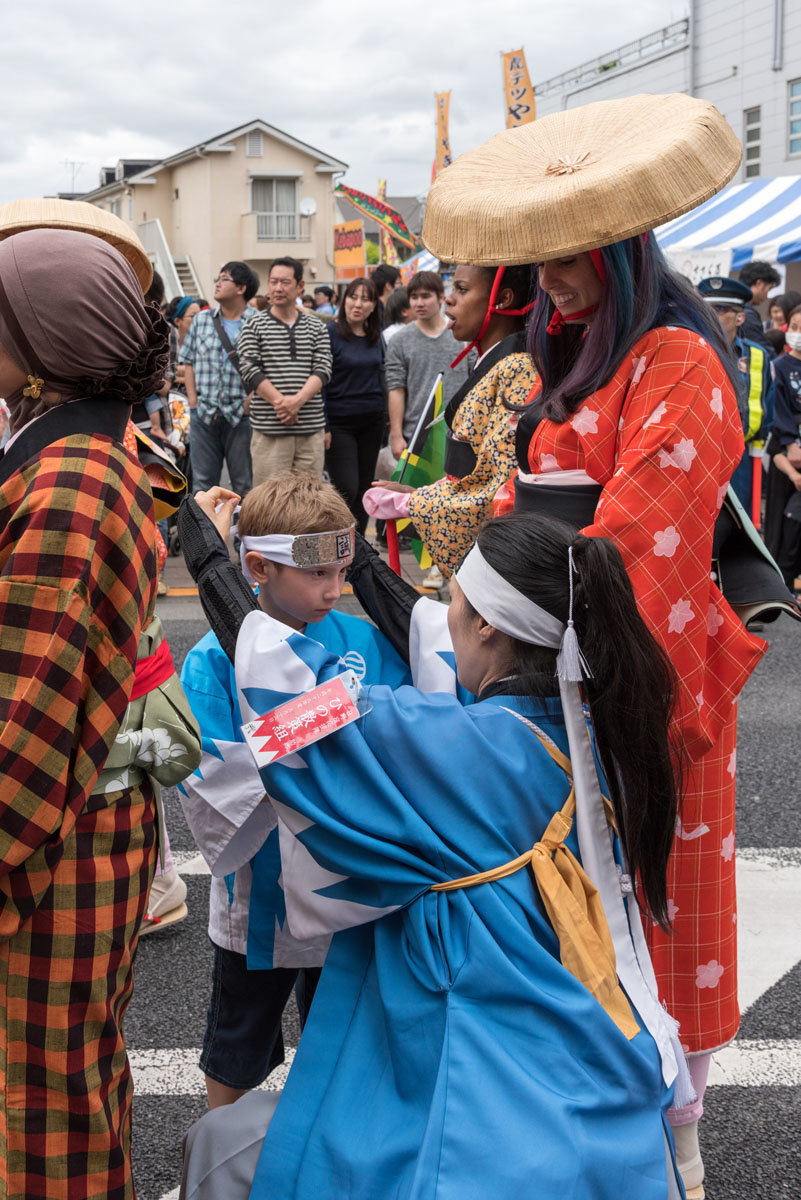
point(421, 426)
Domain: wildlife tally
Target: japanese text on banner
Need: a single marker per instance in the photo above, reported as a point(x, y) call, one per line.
point(519, 94)
point(443, 156)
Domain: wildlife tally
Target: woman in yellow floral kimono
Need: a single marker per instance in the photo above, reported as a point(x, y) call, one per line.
point(487, 309)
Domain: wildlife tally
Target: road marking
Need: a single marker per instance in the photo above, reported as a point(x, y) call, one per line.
point(768, 907)
point(757, 1064)
point(174, 1072)
point(190, 862)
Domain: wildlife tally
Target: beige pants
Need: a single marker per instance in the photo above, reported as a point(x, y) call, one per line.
point(272, 455)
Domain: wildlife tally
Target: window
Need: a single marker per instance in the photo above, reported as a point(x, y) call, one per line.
point(115, 207)
point(276, 203)
point(253, 144)
point(130, 208)
point(752, 139)
point(794, 117)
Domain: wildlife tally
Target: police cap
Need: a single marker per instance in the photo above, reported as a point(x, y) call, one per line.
point(718, 289)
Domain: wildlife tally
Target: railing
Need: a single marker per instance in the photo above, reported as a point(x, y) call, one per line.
point(155, 243)
point(670, 36)
point(277, 227)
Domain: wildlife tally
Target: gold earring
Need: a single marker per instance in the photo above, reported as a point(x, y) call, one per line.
point(34, 390)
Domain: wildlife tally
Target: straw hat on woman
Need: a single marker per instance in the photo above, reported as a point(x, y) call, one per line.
point(78, 345)
point(635, 425)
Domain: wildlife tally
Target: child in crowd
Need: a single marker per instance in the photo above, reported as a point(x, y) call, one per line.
point(296, 536)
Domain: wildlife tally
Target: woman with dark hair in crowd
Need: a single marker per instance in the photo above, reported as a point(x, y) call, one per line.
point(780, 309)
point(487, 308)
point(355, 404)
point(456, 852)
point(397, 312)
point(78, 811)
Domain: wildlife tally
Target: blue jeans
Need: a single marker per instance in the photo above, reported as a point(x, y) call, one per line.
point(212, 441)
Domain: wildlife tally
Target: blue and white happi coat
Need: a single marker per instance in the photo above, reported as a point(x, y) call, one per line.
point(222, 800)
point(448, 1055)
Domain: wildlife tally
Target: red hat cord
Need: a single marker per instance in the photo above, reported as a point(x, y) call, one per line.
point(491, 312)
point(557, 321)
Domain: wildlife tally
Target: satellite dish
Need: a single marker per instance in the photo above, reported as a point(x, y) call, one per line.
point(308, 206)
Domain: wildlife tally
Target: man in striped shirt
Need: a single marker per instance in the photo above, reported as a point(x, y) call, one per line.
point(285, 360)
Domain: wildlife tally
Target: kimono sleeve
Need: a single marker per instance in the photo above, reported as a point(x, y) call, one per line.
point(356, 843)
point(222, 799)
point(679, 441)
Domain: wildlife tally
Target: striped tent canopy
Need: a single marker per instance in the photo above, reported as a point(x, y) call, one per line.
point(759, 220)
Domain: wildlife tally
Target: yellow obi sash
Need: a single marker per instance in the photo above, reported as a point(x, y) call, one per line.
point(572, 903)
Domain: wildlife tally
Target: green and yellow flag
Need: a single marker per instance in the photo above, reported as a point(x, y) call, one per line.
point(423, 460)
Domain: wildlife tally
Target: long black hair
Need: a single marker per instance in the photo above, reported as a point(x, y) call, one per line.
point(632, 687)
point(372, 326)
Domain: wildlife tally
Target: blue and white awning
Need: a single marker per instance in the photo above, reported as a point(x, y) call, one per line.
point(758, 220)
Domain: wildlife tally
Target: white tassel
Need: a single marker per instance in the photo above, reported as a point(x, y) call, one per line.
point(568, 662)
point(683, 1091)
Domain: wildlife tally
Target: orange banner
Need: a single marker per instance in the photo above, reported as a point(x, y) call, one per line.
point(349, 252)
point(518, 92)
point(443, 159)
point(389, 253)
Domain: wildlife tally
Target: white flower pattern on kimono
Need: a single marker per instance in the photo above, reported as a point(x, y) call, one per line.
point(585, 421)
point(120, 784)
point(722, 490)
point(656, 416)
point(680, 615)
point(727, 847)
point(707, 975)
point(666, 542)
point(158, 747)
point(672, 910)
point(638, 370)
point(690, 835)
point(548, 462)
point(716, 402)
point(714, 620)
point(732, 766)
point(681, 456)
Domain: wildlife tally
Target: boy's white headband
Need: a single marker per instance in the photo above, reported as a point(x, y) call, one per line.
point(300, 550)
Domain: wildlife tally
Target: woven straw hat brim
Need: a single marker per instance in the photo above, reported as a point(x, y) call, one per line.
point(579, 179)
point(53, 213)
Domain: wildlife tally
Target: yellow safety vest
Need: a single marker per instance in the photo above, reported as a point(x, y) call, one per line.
point(755, 414)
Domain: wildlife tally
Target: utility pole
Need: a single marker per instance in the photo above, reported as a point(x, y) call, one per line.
point(75, 168)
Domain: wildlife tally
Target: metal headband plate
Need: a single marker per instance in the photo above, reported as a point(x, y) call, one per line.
point(322, 549)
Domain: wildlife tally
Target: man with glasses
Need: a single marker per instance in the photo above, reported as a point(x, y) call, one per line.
point(728, 298)
point(220, 429)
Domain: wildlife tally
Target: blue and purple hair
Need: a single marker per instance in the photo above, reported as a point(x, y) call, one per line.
point(640, 292)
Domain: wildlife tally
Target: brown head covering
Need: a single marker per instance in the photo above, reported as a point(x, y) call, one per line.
point(72, 314)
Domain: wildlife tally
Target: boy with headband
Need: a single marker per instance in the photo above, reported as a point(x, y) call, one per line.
point(296, 537)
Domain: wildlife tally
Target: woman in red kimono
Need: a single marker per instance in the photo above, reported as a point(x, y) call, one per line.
point(633, 432)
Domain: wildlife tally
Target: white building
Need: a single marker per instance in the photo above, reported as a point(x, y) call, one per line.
point(743, 55)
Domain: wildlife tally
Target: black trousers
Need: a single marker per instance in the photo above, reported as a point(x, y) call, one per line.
point(351, 460)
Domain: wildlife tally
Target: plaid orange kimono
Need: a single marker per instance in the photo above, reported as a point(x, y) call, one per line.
point(663, 438)
point(77, 579)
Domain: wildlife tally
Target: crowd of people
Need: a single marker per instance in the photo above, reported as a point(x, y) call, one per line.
point(492, 855)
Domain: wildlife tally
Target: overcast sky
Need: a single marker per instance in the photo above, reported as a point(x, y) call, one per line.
point(92, 82)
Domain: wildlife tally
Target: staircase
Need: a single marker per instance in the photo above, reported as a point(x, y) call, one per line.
point(189, 281)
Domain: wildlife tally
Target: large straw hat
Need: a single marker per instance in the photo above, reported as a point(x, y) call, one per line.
point(579, 179)
point(52, 213)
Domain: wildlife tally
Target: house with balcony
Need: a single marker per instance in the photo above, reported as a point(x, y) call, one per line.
point(254, 193)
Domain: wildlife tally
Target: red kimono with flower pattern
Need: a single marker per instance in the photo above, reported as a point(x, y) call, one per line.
point(663, 438)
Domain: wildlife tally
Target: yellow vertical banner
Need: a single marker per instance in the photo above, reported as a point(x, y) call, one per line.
point(442, 158)
point(518, 92)
point(389, 253)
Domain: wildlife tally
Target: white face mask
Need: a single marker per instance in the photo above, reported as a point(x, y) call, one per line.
point(793, 339)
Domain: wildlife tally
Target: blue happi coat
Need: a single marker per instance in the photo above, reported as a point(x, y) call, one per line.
point(222, 799)
point(448, 1055)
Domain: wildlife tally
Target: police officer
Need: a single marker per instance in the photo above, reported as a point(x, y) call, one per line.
point(728, 297)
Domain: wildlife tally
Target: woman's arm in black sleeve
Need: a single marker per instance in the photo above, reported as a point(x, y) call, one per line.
point(387, 599)
point(224, 593)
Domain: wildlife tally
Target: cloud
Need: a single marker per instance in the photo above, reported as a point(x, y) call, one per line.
point(95, 82)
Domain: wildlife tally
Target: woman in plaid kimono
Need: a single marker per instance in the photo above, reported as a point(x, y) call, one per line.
point(77, 583)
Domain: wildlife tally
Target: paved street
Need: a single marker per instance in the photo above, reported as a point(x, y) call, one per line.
point(751, 1144)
